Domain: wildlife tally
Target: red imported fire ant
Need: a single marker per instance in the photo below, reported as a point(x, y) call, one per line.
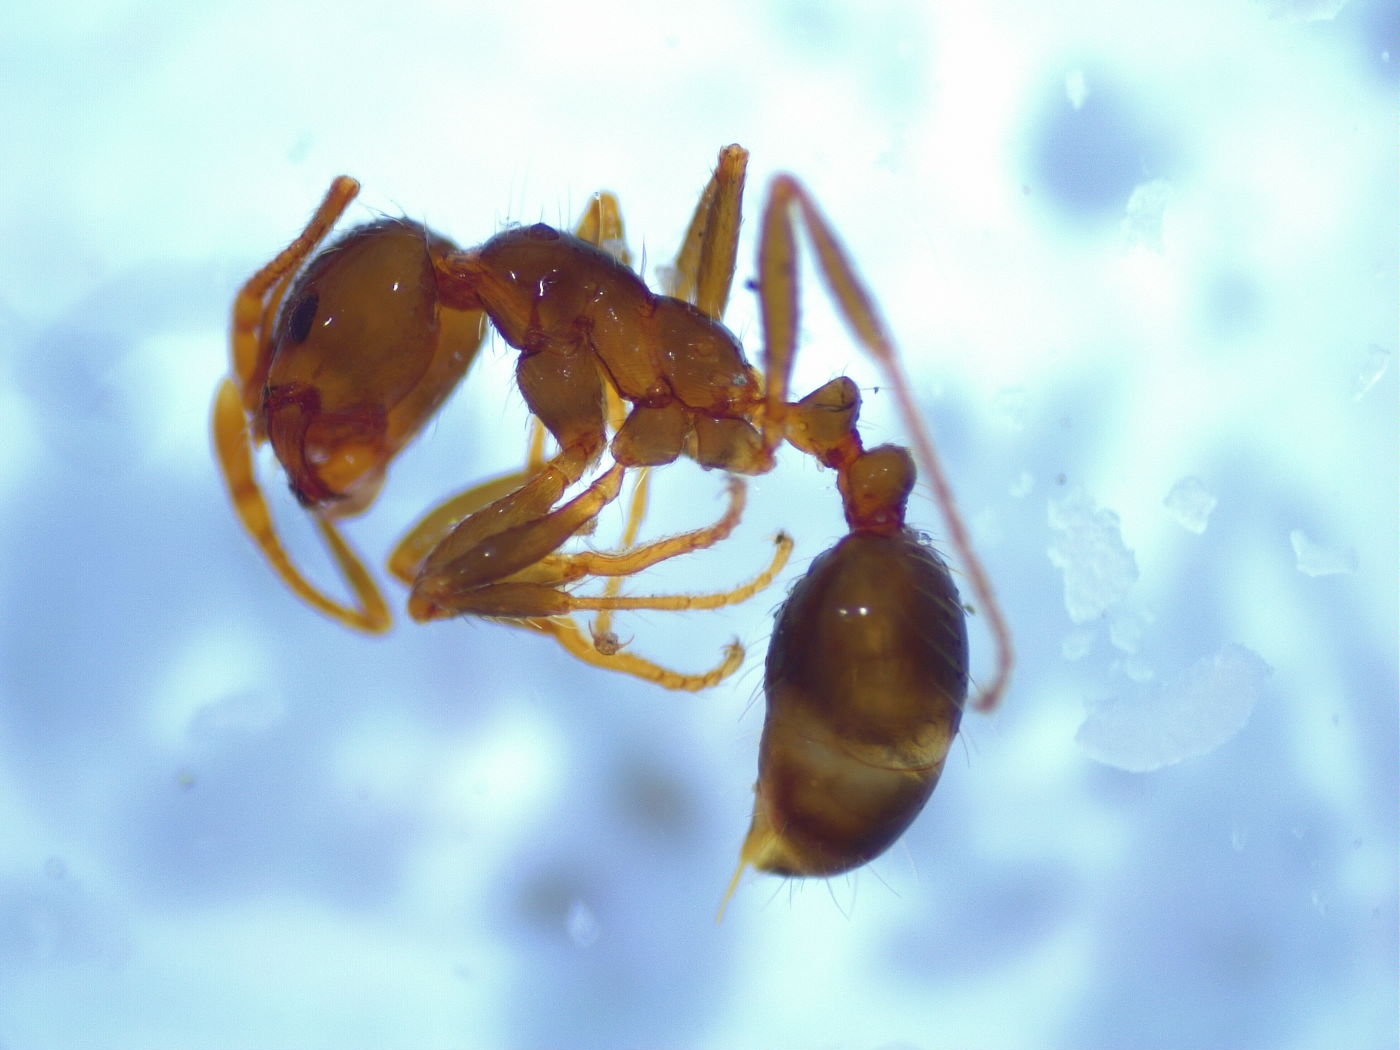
point(866, 675)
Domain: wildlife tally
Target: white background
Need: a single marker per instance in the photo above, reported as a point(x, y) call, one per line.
point(226, 822)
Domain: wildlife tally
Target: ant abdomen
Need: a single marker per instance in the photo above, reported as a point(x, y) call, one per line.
point(866, 679)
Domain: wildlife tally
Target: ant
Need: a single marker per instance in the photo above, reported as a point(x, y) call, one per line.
point(867, 672)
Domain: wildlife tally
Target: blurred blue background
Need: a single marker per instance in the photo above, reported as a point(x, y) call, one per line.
point(1141, 259)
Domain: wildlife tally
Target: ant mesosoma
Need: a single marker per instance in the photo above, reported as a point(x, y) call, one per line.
point(340, 361)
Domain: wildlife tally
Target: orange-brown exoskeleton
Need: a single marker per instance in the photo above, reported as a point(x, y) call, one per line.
point(340, 358)
point(605, 365)
point(867, 670)
point(865, 680)
point(867, 673)
point(338, 364)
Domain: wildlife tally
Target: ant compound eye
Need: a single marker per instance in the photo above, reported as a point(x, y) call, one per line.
point(299, 321)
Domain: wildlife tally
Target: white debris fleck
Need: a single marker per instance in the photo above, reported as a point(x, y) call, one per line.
point(583, 925)
point(1138, 670)
point(1098, 568)
point(1369, 371)
point(1190, 503)
point(1318, 559)
point(1077, 644)
point(1127, 627)
point(1144, 216)
point(245, 712)
point(1010, 405)
point(1189, 714)
point(1023, 486)
point(1076, 88)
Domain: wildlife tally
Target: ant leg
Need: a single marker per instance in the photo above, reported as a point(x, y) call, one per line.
point(537, 590)
point(685, 602)
point(535, 594)
point(254, 311)
point(703, 272)
point(522, 528)
point(455, 569)
point(778, 279)
point(777, 300)
point(568, 635)
point(256, 305)
point(433, 527)
point(605, 639)
point(630, 559)
point(522, 508)
point(601, 225)
point(410, 553)
point(234, 446)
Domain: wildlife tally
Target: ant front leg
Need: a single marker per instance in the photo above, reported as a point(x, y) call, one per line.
point(408, 557)
point(533, 596)
point(465, 521)
point(239, 398)
point(255, 308)
point(600, 224)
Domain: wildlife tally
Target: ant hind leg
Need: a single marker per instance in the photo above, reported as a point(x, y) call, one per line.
point(778, 295)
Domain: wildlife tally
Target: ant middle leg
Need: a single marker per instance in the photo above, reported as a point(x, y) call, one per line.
point(703, 272)
point(601, 225)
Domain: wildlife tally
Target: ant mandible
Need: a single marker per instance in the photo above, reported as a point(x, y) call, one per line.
point(866, 675)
